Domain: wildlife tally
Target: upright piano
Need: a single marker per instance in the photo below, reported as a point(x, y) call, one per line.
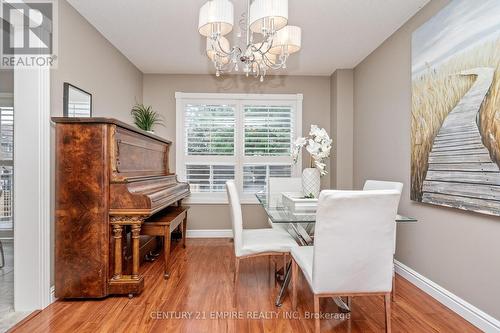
point(109, 178)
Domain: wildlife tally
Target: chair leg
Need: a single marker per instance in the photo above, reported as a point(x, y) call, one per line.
point(284, 264)
point(387, 300)
point(275, 272)
point(316, 314)
point(271, 272)
point(295, 271)
point(184, 231)
point(166, 253)
point(349, 302)
point(236, 278)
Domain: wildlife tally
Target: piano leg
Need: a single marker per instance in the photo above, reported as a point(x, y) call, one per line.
point(119, 283)
point(117, 235)
point(136, 231)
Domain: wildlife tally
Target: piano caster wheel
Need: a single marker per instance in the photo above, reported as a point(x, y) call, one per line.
point(166, 276)
point(130, 296)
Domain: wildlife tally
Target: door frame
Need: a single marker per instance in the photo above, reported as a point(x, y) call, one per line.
point(32, 262)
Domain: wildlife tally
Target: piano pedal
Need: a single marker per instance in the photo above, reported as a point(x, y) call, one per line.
point(151, 256)
point(130, 296)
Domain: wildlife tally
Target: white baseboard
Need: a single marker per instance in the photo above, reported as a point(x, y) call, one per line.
point(53, 294)
point(464, 309)
point(210, 233)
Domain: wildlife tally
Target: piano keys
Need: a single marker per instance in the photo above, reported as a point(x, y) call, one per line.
point(110, 177)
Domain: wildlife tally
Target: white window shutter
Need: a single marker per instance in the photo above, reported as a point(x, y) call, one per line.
point(269, 130)
point(209, 129)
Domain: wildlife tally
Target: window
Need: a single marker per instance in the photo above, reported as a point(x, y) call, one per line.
point(6, 163)
point(243, 137)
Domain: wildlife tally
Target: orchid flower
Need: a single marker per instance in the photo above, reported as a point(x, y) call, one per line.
point(318, 144)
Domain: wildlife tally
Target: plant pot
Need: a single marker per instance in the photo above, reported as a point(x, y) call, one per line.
point(311, 181)
point(152, 132)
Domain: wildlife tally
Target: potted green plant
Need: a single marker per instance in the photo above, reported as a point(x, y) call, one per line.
point(145, 117)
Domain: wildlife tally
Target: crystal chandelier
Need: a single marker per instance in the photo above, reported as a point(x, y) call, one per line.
point(269, 38)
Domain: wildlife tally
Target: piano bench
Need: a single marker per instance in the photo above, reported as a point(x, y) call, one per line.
point(162, 224)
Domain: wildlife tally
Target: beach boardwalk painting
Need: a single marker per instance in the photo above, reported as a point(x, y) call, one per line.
point(456, 108)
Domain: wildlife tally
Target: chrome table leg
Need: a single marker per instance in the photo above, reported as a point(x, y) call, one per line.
point(284, 286)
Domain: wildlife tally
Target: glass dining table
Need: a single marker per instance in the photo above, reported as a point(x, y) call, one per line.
point(301, 228)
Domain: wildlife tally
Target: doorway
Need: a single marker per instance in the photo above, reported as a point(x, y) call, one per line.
point(6, 199)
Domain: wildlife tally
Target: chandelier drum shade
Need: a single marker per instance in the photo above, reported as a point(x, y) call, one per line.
point(287, 40)
point(216, 17)
point(269, 38)
point(267, 16)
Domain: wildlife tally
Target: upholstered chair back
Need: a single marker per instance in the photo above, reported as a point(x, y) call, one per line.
point(382, 185)
point(353, 241)
point(277, 185)
point(236, 215)
point(371, 185)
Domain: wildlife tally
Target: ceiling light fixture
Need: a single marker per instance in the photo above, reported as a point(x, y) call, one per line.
point(269, 38)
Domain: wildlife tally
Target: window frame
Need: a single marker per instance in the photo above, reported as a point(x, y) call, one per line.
point(239, 159)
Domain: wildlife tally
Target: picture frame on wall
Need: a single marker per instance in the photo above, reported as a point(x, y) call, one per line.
point(77, 102)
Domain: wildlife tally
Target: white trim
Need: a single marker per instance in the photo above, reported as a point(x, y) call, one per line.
point(461, 307)
point(210, 233)
point(289, 97)
point(31, 188)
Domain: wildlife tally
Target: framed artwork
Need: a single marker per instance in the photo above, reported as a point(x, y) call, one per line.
point(77, 102)
point(455, 124)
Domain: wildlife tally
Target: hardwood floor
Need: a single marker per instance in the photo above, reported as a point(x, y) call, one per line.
point(200, 289)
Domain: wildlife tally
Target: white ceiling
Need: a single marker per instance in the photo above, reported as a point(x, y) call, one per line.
point(160, 36)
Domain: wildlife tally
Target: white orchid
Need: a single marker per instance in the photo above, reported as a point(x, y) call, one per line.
point(300, 141)
point(318, 144)
point(297, 146)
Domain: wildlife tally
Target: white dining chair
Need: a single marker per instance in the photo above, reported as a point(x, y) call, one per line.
point(371, 185)
point(252, 243)
point(277, 185)
point(352, 251)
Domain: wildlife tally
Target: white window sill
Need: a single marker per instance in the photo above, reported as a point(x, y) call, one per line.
point(214, 200)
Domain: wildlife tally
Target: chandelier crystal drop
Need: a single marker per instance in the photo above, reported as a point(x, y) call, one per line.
point(269, 40)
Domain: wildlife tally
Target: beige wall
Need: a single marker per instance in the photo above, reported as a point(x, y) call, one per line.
point(341, 124)
point(456, 249)
point(6, 81)
point(159, 91)
point(88, 61)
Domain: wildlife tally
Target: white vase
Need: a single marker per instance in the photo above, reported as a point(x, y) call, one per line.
point(311, 182)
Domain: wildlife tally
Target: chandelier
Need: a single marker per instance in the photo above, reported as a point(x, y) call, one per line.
point(269, 38)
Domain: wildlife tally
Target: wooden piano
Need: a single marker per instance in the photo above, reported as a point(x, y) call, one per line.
point(109, 178)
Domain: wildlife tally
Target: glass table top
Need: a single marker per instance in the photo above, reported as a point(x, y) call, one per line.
point(278, 213)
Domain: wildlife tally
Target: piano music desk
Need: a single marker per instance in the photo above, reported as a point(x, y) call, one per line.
point(162, 224)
